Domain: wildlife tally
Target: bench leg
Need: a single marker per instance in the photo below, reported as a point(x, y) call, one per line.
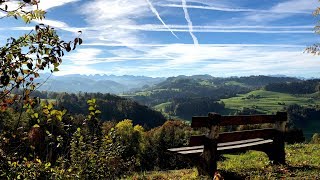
point(208, 161)
point(276, 153)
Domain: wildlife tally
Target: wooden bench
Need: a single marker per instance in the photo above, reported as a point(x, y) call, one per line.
point(213, 144)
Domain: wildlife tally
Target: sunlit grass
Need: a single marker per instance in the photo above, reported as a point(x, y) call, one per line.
point(303, 162)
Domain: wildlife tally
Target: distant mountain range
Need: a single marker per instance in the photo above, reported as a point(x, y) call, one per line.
point(127, 83)
point(95, 83)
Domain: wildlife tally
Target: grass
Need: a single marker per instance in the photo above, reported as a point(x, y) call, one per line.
point(184, 174)
point(235, 83)
point(267, 101)
point(303, 162)
point(162, 107)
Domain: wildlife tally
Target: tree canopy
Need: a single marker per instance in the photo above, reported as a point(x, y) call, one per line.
point(23, 58)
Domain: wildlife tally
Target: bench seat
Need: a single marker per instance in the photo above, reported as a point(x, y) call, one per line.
point(224, 147)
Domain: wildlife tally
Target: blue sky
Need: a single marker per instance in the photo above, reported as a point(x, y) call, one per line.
point(174, 37)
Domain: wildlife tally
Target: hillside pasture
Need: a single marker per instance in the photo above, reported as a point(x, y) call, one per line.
point(267, 101)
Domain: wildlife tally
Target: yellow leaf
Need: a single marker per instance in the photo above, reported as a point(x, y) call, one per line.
point(50, 106)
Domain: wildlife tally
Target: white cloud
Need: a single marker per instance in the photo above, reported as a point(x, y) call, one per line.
point(299, 6)
point(44, 4)
point(236, 59)
point(48, 4)
point(114, 13)
point(216, 45)
point(213, 59)
point(53, 23)
point(2, 14)
point(178, 28)
point(77, 69)
point(284, 10)
point(227, 29)
point(278, 11)
point(84, 56)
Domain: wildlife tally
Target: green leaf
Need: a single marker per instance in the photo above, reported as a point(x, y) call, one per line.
point(98, 112)
point(91, 108)
point(50, 106)
point(36, 126)
point(53, 112)
point(47, 165)
point(36, 115)
point(59, 117)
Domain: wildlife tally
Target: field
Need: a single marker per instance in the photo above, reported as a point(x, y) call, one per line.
point(267, 101)
point(303, 162)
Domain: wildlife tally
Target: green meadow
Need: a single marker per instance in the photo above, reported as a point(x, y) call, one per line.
point(267, 101)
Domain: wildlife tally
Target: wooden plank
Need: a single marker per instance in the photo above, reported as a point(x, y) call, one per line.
point(196, 151)
point(185, 148)
point(203, 121)
point(219, 145)
point(251, 119)
point(232, 146)
point(235, 136)
point(239, 142)
point(241, 120)
point(200, 121)
point(239, 146)
point(197, 140)
point(248, 134)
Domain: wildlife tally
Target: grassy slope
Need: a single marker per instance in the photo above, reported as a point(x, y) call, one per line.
point(303, 162)
point(268, 102)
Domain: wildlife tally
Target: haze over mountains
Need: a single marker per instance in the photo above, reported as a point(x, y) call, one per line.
point(95, 83)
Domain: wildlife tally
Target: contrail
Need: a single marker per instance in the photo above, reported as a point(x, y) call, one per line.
point(160, 19)
point(186, 15)
point(233, 9)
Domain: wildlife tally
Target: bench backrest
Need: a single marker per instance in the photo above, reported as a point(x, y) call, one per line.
point(213, 121)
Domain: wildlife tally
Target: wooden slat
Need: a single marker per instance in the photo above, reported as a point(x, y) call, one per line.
point(197, 140)
point(200, 139)
point(196, 151)
point(239, 142)
point(251, 119)
point(200, 121)
point(239, 146)
point(185, 148)
point(203, 121)
point(233, 146)
point(236, 136)
point(241, 120)
point(193, 147)
point(248, 134)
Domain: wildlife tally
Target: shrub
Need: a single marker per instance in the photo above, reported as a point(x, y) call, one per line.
point(315, 138)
